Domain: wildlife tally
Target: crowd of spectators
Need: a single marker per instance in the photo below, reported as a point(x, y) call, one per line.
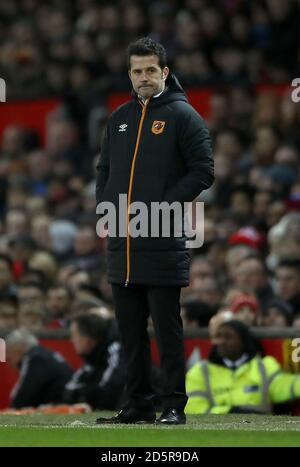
point(77, 46)
point(52, 263)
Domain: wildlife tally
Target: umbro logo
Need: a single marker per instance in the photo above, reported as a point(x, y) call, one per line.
point(123, 127)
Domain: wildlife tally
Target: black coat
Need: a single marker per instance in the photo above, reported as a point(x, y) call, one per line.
point(43, 375)
point(165, 148)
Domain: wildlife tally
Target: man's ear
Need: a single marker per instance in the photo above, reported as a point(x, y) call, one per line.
point(166, 72)
point(129, 74)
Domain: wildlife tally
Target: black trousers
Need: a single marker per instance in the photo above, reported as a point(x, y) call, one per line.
point(133, 305)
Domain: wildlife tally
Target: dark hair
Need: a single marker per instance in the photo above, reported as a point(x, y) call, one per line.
point(290, 263)
point(7, 260)
point(196, 310)
point(284, 307)
point(245, 188)
point(91, 325)
point(146, 46)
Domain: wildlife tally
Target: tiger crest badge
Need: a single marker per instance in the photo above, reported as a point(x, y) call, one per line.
point(158, 127)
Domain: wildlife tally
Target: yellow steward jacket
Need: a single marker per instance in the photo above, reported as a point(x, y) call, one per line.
point(255, 385)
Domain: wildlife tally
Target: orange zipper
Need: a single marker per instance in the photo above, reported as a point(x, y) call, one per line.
point(130, 190)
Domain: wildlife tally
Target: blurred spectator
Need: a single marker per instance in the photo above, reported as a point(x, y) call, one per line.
point(7, 286)
point(53, 51)
point(86, 255)
point(233, 257)
point(16, 222)
point(208, 291)
point(200, 269)
point(100, 381)
point(104, 287)
point(288, 283)
point(21, 248)
point(46, 263)
point(104, 311)
point(87, 292)
point(195, 314)
point(247, 236)
point(240, 204)
point(31, 317)
point(246, 309)
point(62, 235)
point(32, 311)
point(278, 314)
point(296, 321)
point(35, 276)
point(252, 276)
point(236, 379)
point(8, 314)
point(43, 373)
point(59, 302)
point(40, 231)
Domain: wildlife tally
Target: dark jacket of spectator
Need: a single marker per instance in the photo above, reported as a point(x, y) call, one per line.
point(43, 374)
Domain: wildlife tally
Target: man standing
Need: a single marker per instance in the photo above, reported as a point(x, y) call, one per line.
point(156, 148)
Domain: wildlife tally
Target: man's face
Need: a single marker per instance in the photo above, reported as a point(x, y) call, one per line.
point(200, 270)
point(233, 258)
point(83, 344)
point(85, 241)
point(288, 281)
point(58, 302)
point(146, 76)
point(251, 274)
point(29, 319)
point(207, 290)
point(229, 344)
point(31, 295)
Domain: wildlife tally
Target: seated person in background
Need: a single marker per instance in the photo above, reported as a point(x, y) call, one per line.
point(43, 373)
point(32, 313)
point(236, 379)
point(100, 381)
point(277, 314)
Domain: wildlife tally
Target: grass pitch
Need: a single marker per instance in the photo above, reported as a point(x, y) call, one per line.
point(200, 430)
